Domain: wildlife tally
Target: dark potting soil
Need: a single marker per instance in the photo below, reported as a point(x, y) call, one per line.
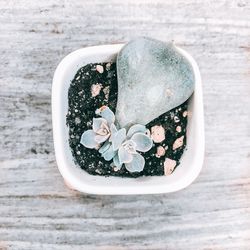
point(81, 110)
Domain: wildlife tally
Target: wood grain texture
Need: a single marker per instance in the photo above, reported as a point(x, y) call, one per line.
point(37, 211)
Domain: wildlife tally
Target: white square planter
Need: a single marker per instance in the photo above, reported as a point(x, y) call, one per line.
point(184, 174)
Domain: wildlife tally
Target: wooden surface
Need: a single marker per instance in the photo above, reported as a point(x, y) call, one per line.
point(37, 211)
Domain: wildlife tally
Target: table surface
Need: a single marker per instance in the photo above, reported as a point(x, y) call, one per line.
point(37, 210)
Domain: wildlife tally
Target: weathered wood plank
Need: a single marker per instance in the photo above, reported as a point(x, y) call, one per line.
point(37, 211)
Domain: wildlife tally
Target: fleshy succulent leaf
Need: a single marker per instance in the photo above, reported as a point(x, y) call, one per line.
point(137, 164)
point(113, 128)
point(97, 122)
point(117, 162)
point(107, 114)
point(135, 129)
point(113, 131)
point(118, 138)
point(104, 147)
point(124, 155)
point(101, 138)
point(109, 154)
point(142, 141)
point(88, 139)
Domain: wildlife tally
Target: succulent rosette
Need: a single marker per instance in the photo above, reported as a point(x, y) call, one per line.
point(128, 147)
point(101, 129)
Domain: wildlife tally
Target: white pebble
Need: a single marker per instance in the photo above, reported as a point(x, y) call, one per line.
point(95, 89)
point(99, 68)
point(157, 133)
point(178, 129)
point(108, 65)
point(77, 120)
point(97, 171)
point(115, 168)
point(178, 142)
point(169, 166)
point(185, 113)
point(160, 151)
point(106, 92)
point(176, 119)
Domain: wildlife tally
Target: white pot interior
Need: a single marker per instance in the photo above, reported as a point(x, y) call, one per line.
point(185, 173)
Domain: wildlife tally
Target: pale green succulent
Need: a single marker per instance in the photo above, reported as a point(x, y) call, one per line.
point(127, 147)
point(101, 129)
point(119, 145)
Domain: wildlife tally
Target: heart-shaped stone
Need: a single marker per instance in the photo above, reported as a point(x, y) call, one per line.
point(153, 78)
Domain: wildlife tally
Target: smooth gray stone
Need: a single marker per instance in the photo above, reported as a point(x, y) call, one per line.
point(153, 78)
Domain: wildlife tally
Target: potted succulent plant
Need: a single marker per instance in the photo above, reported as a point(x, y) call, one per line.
point(128, 111)
point(119, 145)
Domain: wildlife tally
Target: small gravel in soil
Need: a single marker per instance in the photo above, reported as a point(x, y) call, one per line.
point(81, 110)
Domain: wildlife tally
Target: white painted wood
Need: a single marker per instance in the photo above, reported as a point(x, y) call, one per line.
point(37, 211)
